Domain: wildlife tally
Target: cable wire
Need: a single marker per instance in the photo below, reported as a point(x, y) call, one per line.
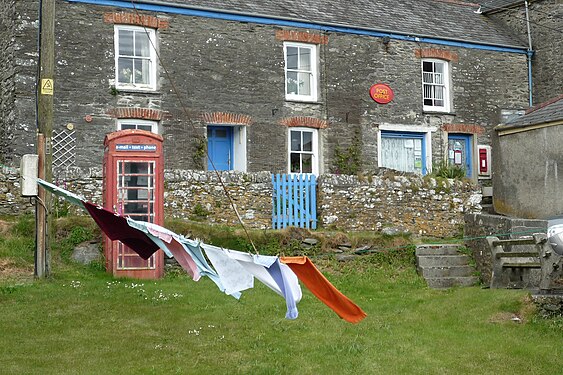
point(190, 120)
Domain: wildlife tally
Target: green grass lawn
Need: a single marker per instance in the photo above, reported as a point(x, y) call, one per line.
point(82, 321)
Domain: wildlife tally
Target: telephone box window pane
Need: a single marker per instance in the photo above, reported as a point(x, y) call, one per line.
point(136, 200)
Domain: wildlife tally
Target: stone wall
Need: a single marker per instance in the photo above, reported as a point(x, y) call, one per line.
point(11, 202)
point(479, 226)
point(546, 23)
point(406, 203)
point(7, 76)
point(410, 203)
point(201, 196)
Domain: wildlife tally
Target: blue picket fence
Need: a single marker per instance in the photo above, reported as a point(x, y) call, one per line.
point(294, 201)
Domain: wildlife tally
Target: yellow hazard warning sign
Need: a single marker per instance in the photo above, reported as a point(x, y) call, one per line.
point(47, 86)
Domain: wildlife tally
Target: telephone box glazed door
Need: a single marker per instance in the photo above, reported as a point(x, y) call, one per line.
point(135, 199)
point(133, 187)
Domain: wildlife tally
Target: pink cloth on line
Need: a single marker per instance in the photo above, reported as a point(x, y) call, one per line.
point(184, 259)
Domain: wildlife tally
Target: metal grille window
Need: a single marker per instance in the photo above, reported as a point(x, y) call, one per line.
point(300, 71)
point(303, 151)
point(151, 126)
point(435, 85)
point(135, 58)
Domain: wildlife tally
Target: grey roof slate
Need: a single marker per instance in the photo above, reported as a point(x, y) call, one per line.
point(444, 19)
point(496, 5)
point(543, 113)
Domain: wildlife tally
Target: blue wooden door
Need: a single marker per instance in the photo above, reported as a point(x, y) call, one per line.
point(460, 151)
point(220, 148)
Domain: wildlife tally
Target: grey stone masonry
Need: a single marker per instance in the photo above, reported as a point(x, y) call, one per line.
point(546, 23)
point(444, 266)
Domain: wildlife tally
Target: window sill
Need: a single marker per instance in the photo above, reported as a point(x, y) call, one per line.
point(137, 90)
point(437, 112)
point(304, 101)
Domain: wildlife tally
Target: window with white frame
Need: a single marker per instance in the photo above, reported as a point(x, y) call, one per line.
point(135, 58)
point(435, 85)
point(300, 71)
point(303, 150)
point(403, 151)
point(151, 126)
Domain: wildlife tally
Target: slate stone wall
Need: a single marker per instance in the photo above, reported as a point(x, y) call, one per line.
point(546, 23)
point(7, 77)
point(232, 67)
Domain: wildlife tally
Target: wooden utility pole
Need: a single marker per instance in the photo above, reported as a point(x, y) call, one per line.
point(45, 87)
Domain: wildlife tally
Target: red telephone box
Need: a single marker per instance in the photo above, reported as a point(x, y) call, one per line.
point(134, 187)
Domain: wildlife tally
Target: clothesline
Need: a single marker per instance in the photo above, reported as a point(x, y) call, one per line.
point(232, 271)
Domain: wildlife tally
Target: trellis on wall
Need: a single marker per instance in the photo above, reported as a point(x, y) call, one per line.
point(64, 150)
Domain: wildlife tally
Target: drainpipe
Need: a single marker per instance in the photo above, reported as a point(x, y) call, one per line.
point(529, 53)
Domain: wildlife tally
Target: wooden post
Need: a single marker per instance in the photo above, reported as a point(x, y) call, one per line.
point(40, 214)
point(45, 87)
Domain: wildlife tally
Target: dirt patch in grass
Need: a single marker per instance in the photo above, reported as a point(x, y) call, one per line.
point(5, 227)
point(9, 271)
point(526, 310)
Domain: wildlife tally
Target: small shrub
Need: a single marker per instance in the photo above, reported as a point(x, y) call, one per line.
point(446, 170)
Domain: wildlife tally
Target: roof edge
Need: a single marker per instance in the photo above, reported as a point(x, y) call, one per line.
point(544, 104)
point(156, 5)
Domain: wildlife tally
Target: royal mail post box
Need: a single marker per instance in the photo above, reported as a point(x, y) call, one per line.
point(133, 187)
point(484, 161)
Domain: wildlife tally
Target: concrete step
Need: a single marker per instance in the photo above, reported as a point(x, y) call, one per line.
point(441, 261)
point(455, 271)
point(443, 249)
point(448, 282)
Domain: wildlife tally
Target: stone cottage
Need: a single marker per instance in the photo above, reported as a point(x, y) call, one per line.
point(268, 85)
point(321, 87)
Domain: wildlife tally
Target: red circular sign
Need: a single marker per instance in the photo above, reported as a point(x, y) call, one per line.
point(381, 93)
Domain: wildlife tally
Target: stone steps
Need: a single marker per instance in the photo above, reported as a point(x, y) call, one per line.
point(443, 266)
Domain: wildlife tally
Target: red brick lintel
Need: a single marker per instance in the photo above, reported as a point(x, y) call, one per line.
point(436, 53)
point(138, 113)
point(301, 36)
point(306, 122)
point(136, 19)
point(226, 118)
point(463, 128)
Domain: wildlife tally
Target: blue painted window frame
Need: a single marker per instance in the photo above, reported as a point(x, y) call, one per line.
point(409, 135)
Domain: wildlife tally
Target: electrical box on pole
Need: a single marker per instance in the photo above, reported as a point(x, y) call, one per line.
point(28, 171)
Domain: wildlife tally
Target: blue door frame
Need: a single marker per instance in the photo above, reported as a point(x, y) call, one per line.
point(220, 147)
point(465, 139)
